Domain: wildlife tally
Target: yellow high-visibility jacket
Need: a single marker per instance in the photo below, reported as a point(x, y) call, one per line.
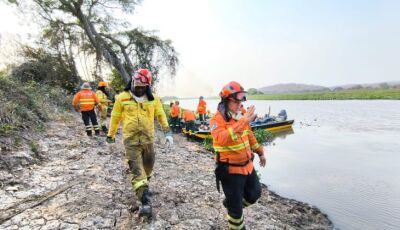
point(137, 118)
point(103, 99)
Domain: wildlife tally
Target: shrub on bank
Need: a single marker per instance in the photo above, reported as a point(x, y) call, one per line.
point(26, 106)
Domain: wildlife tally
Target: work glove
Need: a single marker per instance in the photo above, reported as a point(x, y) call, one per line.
point(168, 138)
point(110, 140)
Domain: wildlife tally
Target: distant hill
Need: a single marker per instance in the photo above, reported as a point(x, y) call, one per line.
point(371, 85)
point(291, 88)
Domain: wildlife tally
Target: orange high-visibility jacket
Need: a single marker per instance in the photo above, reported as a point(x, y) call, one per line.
point(189, 116)
point(234, 143)
point(86, 98)
point(202, 107)
point(175, 111)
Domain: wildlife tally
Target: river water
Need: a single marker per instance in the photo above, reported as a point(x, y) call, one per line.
point(342, 156)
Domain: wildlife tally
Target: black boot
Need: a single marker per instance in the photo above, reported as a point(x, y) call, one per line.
point(145, 209)
point(104, 129)
point(89, 133)
point(97, 132)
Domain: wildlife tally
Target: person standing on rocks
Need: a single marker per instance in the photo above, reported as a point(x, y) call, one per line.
point(87, 100)
point(175, 113)
point(189, 117)
point(137, 107)
point(234, 144)
point(202, 110)
point(102, 94)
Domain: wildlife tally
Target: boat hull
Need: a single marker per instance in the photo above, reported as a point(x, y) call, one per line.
point(273, 127)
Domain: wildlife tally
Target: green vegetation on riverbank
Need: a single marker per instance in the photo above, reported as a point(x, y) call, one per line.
point(364, 94)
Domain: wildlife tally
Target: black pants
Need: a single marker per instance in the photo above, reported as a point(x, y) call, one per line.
point(202, 118)
point(240, 191)
point(87, 117)
point(175, 124)
point(189, 126)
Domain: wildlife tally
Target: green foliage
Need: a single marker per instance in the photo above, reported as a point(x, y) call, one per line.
point(253, 91)
point(263, 136)
point(208, 144)
point(45, 68)
point(117, 81)
point(362, 94)
point(6, 128)
point(28, 105)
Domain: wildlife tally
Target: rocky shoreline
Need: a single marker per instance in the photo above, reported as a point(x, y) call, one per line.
point(70, 181)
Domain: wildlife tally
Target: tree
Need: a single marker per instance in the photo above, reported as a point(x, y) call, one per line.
point(253, 91)
point(45, 68)
point(105, 34)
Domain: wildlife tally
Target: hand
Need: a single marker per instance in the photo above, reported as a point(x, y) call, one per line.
point(250, 115)
point(169, 140)
point(110, 140)
point(76, 109)
point(263, 161)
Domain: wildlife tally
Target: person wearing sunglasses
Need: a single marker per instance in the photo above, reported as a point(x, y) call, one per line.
point(137, 107)
point(234, 144)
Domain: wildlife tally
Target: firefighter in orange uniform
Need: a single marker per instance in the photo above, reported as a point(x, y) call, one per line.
point(234, 144)
point(202, 109)
point(175, 112)
point(87, 100)
point(189, 117)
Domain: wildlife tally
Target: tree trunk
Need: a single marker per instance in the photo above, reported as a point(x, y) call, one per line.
point(98, 42)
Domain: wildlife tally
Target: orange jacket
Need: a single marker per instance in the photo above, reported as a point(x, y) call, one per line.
point(189, 116)
point(86, 98)
point(175, 111)
point(202, 107)
point(234, 143)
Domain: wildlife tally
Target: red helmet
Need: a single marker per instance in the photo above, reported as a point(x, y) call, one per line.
point(233, 90)
point(143, 75)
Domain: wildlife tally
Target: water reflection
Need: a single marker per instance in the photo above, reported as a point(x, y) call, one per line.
point(282, 134)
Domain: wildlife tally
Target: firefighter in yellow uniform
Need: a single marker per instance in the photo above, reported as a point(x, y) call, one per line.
point(137, 107)
point(102, 94)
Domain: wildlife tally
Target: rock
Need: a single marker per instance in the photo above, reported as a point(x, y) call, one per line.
point(52, 224)
point(69, 226)
point(183, 185)
point(12, 188)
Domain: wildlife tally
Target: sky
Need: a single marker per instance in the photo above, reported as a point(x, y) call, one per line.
point(260, 42)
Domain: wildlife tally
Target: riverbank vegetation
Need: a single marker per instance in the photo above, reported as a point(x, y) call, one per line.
point(351, 94)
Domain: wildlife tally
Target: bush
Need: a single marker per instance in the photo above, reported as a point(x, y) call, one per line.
point(117, 82)
point(263, 136)
point(26, 106)
point(46, 68)
point(208, 144)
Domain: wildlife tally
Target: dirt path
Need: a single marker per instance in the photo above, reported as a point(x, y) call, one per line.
point(81, 183)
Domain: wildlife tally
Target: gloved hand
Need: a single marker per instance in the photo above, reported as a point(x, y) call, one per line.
point(110, 140)
point(168, 138)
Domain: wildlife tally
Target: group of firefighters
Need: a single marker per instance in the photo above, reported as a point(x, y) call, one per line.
point(188, 117)
point(137, 108)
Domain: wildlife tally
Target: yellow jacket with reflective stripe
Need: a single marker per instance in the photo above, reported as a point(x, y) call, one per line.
point(103, 99)
point(137, 118)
